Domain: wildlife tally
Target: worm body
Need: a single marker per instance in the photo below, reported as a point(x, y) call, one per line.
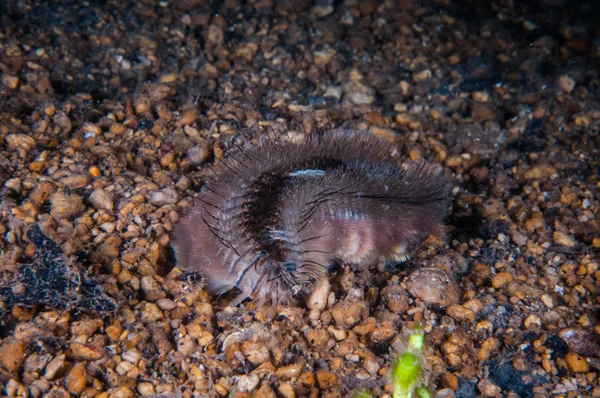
point(278, 215)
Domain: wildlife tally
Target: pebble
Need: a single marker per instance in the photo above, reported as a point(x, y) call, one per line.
point(8, 81)
point(433, 286)
point(576, 363)
point(501, 279)
point(565, 84)
point(286, 390)
point(247, 383)
point(395, 298)
point(12, 354)
point(54, 366)
point(532, 321)
point(65, 206)
point(257, 353)
point(563, 239)
point(20, 142)
point(163, 197)
point(357, 93)
point(422, 76)
point(166, 304)
point(76, 378)
point(347, 312)
point(318, 298)
point(333, 92)
point(326, 379)
point(488, 388)
point(101, 200)
point(146, 389)
point(321, 11)
point(461, 313)
point(84, 352)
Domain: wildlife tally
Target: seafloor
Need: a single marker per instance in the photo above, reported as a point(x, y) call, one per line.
point(110, 109)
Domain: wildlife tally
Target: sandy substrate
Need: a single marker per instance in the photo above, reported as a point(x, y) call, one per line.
point(109, 111)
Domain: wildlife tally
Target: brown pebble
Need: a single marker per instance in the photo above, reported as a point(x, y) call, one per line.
point(502, 279)
point(256, 353)
point(347, 312)
point(449, 380)
point(576, 363)
point(101, 199)
point(433, 286)
point(461, 313)
point(318, 298)
point(326, 379)
point(76, 378)
point(12, 354)
point(65, 206)
point(487, 388)
point(84, 352)
point(395, 298)
point(563, 239)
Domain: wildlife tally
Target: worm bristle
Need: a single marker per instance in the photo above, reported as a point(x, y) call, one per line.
point(271, 224)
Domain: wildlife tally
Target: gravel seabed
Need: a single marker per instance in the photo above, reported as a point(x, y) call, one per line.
point(110, 111)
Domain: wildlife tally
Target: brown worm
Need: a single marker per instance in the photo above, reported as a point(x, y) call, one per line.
point(279, 214)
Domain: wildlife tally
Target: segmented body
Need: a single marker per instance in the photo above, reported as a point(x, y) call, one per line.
point(277, 215)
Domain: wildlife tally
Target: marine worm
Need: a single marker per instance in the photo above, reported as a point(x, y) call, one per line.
point(278, 215)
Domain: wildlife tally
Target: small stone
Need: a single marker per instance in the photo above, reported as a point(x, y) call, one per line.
point(347, 312)
point(532, 321)
point(547, 300)
point(132, 356)
point(20, 142)
point(502, 279)
point(576, 363)
point(8, 81)
point(481, 96)
point(318, 297)
point(333, 92)
point(565, 84)
point(221, 390)
point(247, 383)
point(461, 313)
point(450, 381)
point(151, 313)
point(289, 371)
point(395, 298)
point(286, 390)
point(357, 93)
point(166, 304)
point(256, 353)
point(199, 154)
point(326, 379)
point(371, 366)
point(84, 352)
point(433, 286)
point(215, 34)
point(101, 199)
point(318, 338)
point(54, 366)
point(12, 354)
point(321, 11)
point(163, 197)
point(146, 389)
point(186, 346)
point(324, 56)
point(421, 76)
point(487, 388)
point(120, 392)
point(76, 378)
point(563, 239)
